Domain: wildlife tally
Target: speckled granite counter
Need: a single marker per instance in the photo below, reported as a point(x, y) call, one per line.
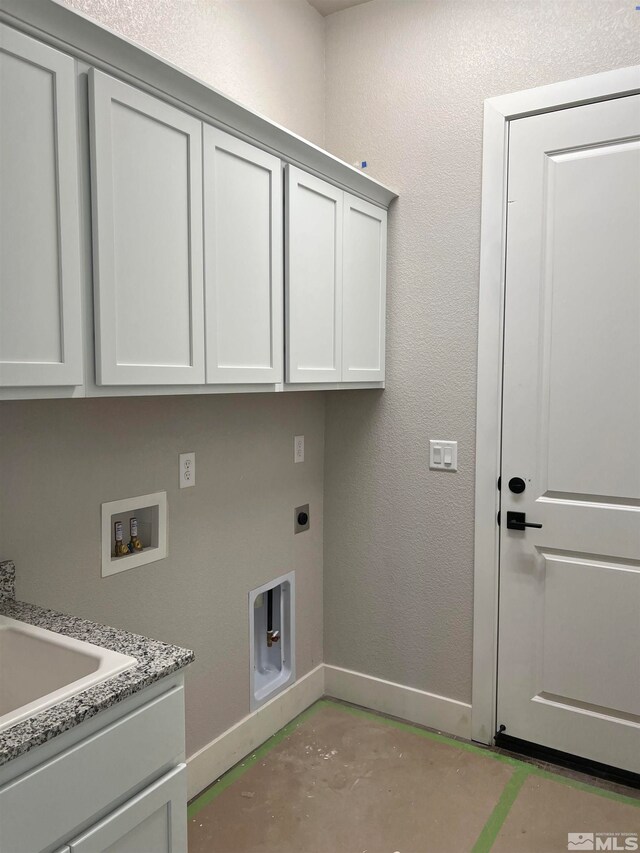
point(155, 661)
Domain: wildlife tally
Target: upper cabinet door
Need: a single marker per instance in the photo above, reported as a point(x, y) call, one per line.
point(243, 261)
point(363, 291)
point(313, 278)
point(40, 303)
point(146, 176)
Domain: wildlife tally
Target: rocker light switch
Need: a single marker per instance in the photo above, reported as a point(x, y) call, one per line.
point(443, 455)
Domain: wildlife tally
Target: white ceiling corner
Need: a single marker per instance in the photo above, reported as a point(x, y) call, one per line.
point(328, 7)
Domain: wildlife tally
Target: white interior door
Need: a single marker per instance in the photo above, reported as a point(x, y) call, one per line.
point(364, 287)
point(569, 631)
point(314, 278)
point(40, 305)
point(243, 260)
point(146, 176)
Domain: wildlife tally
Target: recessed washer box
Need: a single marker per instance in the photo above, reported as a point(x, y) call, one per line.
point(151, 513)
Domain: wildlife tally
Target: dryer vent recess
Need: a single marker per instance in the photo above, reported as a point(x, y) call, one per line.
point(272, 638)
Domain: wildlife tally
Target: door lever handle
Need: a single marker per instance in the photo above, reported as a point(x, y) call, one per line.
point(518, 521)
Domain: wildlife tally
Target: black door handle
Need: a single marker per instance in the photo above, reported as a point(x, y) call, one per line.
point(518, 521)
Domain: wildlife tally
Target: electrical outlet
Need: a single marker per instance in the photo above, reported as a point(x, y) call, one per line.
point(187, 470)
point(301, 519)
point(298, 448)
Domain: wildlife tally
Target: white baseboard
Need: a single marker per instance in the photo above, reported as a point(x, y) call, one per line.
point(416, 706)
point(214, 759)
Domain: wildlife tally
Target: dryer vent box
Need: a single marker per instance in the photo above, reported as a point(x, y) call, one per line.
point(272, 638)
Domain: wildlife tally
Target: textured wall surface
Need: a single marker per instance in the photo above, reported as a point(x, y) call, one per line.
point(267, 54)
point(405, 86)
point(230, 533)
point(59, 460)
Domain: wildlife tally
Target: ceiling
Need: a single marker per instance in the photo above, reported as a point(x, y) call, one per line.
point(327, 7)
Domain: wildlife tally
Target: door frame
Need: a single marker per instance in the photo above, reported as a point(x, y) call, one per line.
point(498, 113)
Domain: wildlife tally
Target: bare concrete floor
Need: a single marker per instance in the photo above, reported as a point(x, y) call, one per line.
point(340, 780)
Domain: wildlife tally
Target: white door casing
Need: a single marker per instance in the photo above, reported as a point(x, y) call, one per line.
point(313, 278)
point(498, 114)
point(146, 175)
point(243, 213)
point(363, 291)
point(40, 301)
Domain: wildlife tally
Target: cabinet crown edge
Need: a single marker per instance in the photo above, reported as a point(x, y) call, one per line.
point(76, 34)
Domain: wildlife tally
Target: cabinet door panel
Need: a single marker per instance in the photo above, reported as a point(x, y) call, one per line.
point(121, 757)
point(40, 303)
point(154, 821)
point(243, 260)
point(314, 278)
point(147, 199)
point(364, 291)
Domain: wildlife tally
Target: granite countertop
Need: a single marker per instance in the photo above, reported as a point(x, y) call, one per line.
point(155, 661)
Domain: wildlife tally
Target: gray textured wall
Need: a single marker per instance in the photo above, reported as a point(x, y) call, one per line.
point(231, 532)
point(59, 460)
point(405, 83)
point(267, 54)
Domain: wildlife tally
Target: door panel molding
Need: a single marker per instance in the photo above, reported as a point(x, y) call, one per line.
point(498, 113)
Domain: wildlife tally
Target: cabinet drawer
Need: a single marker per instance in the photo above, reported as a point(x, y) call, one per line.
point(46, 804)
point(154, 821)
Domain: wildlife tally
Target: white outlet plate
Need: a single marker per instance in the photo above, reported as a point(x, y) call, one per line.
point(443, 455)
point(298, 448)
point(187, 470)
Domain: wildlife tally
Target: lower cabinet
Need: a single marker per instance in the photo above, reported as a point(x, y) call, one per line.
point(116, 783)
point(152, 822)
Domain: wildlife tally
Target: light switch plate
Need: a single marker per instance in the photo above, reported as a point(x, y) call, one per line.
point(443, 455)
point(298, 448)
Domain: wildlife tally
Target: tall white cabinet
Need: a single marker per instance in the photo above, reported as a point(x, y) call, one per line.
point(146, 173)
point(336, 255)
point(243, 261)
point(40, 307)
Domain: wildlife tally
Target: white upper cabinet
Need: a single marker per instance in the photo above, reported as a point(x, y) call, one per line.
point(40, 303)
point(313, 278)
point(146, 175)
point(207, 272)
point(363, 291)
point(243, 221)
point(336, 255)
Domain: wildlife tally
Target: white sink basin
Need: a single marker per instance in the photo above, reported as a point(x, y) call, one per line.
point(39, 668)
